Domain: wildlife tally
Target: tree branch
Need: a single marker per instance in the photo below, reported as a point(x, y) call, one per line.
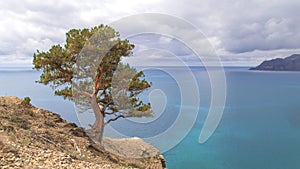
point(107, 101)
point(81, 92)
point(98, 82)
point(110, 113)
point(64, 71)
point(84, 93)
point(116, 118)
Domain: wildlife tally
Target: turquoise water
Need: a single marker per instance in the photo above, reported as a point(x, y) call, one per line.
point(260, 128)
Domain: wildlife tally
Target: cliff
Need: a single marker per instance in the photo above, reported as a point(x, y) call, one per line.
point(291, 63)
point(36, 138)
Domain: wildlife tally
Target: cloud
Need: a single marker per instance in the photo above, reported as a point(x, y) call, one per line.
point(160, 42)
point(237, 29)
point(161, 57)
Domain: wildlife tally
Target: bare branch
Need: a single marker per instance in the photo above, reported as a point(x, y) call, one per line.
point(111, 113)
point(116, 118)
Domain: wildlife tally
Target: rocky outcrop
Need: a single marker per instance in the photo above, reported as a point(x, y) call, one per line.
point(135, 151)
point(291, 63)
point(36, 138)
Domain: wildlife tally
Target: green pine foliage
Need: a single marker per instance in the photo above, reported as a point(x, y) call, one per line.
point(60, 64)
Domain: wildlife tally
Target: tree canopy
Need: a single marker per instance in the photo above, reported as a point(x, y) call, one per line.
point(88, 71)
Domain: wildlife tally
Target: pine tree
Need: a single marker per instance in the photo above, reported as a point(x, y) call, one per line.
point(88, 71)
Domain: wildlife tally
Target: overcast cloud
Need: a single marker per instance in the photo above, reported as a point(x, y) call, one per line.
point(242, 32)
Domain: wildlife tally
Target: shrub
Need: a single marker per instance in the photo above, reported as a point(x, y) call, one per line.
point(26, 102)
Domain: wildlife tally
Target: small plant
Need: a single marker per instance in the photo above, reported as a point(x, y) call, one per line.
point(29, 112)
point(26, 141)
point(26, 102)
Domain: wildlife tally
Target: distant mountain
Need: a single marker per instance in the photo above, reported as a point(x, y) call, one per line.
point(291, 63)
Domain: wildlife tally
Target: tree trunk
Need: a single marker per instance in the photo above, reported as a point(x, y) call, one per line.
point(98, 126)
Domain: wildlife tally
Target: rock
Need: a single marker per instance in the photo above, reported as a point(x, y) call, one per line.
point(135, 151)
point(79, 132)
point(163, 161)
point(129, 147)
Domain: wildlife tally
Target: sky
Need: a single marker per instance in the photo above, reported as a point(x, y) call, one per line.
point(243, 33)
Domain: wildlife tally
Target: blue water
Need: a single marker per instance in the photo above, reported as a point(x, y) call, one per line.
point(21, 82)
point(260, 128)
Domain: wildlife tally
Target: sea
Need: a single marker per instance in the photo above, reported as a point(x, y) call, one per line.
point(259, 129)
